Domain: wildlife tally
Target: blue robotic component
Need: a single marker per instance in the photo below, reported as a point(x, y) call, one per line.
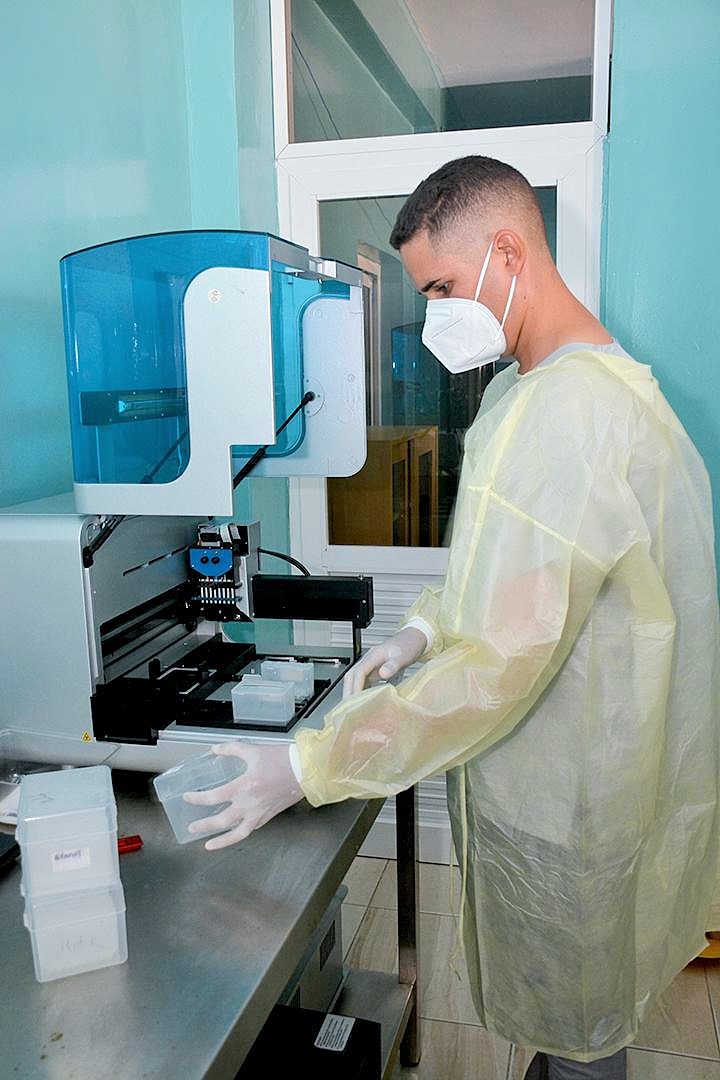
point(210, 564)
point(222, 564)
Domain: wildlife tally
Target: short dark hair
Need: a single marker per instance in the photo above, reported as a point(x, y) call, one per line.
point(458, 187)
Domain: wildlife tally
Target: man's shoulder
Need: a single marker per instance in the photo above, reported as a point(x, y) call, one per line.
point(612, 384)
point(611, 378)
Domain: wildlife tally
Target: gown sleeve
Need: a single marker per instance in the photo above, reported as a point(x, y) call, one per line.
point(544, 513)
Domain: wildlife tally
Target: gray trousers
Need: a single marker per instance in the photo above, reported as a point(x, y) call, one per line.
point(546, 1067)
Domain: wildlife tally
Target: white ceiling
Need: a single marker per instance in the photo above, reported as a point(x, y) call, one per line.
point(485, 41)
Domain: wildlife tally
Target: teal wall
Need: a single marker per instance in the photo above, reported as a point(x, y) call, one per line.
point(119, 117)
point(662, 222)
point(93, 147)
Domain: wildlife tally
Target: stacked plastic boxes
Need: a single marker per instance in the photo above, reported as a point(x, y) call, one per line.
point(74, 900)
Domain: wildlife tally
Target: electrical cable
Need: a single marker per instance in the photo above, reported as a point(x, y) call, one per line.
point(149, 476)
point(285, 558)
point(262, 450)
point(317, 87)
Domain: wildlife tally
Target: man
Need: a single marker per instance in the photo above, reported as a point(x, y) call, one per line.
point(570, 683)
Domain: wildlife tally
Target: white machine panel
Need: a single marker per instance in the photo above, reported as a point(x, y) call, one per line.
point(335, 442)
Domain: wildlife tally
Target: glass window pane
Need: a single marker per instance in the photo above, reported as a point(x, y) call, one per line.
point(418, 412)
point(394, 67)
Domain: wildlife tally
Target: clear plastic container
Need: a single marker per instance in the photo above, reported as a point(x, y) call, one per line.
point(67, 831)
point(23, 752)
point(199, 773)
point(301, 675)
point(77, 932)
point(263, 700)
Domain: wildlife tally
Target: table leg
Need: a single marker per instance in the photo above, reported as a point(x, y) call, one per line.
point(406, 826)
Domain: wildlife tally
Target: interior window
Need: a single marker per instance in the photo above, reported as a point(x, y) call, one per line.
point(418, 412)
point(365, 68)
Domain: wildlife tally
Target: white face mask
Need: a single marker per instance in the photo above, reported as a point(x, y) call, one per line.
point(464, 334)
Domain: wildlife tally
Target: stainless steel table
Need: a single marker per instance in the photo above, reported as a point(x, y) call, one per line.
point(213, 939)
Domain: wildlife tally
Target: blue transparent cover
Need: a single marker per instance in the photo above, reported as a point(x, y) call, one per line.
point(124, 341)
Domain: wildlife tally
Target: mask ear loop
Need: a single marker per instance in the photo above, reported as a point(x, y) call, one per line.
point(483, 272)
point(513, 283)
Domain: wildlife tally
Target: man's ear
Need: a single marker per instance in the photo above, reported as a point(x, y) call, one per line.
point(512, 246)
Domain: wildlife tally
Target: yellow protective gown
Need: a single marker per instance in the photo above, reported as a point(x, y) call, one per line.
point(572, 692)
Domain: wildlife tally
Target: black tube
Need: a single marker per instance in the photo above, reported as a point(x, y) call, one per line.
point(286, 558)
point(262, 450)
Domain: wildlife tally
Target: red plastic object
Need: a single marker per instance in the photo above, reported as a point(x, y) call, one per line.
point(129, 843)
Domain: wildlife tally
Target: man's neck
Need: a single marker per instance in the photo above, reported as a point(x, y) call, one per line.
point(561, 320)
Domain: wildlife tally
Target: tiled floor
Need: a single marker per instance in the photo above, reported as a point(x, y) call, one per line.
point(678, 1041)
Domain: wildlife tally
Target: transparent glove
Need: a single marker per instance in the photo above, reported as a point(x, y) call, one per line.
point(383, 661)
point(266, 788)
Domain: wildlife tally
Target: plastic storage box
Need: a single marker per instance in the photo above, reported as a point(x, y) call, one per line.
point(76, 932)
point(199, 773)
point(301, 675)
point(67, 831)
point(263, 700)
point(22, 753)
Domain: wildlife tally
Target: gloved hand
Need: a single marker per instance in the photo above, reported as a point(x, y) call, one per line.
point(266, 788)
point(385, 660)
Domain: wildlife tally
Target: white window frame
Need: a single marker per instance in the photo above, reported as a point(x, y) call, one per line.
point(568, 157)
